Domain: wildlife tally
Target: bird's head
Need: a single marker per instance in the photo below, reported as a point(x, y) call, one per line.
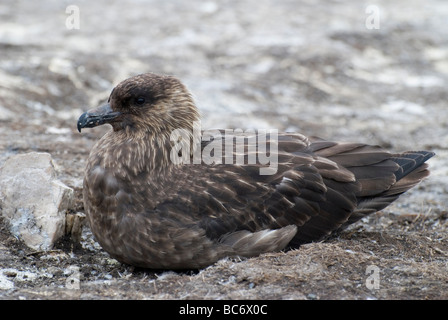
point(145, 103)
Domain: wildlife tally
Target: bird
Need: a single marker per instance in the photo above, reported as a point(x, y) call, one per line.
point(162, 193)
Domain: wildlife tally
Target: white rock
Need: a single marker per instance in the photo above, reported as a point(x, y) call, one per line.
point(8, 274)
point(33, 201)
point(5, 283)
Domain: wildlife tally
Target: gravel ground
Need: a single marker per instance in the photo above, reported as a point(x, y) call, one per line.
point(319, 67)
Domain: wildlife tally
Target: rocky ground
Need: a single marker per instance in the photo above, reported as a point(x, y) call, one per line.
point(319, 67)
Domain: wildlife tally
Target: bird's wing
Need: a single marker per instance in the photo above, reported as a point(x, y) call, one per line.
point(307, 190)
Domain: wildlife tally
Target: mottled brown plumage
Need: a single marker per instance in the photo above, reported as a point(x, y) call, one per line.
point(150, 211)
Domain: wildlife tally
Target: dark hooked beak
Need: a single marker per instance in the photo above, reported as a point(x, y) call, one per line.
point(96, 117)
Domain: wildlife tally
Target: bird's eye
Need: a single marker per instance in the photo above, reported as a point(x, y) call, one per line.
point(140, 101)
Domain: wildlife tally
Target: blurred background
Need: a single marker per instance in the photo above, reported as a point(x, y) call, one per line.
point(374, 72)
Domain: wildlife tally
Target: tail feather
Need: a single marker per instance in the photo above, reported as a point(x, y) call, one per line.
point(412, 169)
point(409, 161)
